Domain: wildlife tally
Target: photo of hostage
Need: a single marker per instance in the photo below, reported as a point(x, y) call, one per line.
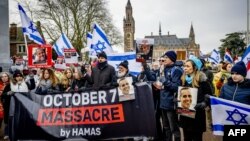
point(144, 49)
point(40, 56)
point(124, 86)
point(145, 53)
point(185, 98)
point(67, 55)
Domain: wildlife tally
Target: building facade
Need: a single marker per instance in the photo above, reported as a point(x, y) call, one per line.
point(162, 43)
point(17, 44)
point(182, 46)
point(129, 29)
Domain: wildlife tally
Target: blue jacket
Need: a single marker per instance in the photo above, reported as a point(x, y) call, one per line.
point(239, 92)
point(172, 82)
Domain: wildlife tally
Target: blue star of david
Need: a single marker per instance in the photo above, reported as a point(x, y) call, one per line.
point(99, 47)
point(32, 28)
point(236, 121)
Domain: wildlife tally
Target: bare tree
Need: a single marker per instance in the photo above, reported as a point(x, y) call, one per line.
point(74, 18)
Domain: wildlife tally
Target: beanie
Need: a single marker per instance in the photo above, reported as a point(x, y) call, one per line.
point(102, 54)
point(124, 64)
point(171, 55)
point(17, 73)
point(196, 61)
point(239, 68)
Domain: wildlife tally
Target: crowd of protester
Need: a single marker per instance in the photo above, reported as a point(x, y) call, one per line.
point(165, 76)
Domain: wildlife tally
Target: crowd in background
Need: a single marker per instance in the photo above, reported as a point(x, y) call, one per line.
point(165, 75)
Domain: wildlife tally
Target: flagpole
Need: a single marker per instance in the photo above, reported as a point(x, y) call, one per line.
point(26, 46)
point(247, 36)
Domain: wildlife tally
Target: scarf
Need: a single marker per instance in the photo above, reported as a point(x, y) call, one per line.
point(102, 65)
point(189, 79)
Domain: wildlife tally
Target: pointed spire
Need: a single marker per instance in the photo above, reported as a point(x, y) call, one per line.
point(160, 28)
point(191, 34)
point(128, 4)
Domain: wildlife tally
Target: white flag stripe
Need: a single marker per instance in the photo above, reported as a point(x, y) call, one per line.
point(116, 59)
point(228, 57)
point(29, 28)
point(62, 43)
point(225, 112)
point(99, 42)
point(215, 57)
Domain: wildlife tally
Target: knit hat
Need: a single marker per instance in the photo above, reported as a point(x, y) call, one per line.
point(171, 55)
point(196, 61)
point(102, 54)
point(124, 64)
point(239, 68)
point(17, 73)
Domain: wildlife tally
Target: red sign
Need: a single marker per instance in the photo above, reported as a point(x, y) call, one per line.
point(39, 56)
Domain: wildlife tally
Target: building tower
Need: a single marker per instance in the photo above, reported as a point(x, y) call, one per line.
point(129, 28)
point(192, 35)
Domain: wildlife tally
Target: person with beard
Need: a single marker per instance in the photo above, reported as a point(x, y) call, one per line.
point(40, 56)
point(123, 71)
point(103, 74)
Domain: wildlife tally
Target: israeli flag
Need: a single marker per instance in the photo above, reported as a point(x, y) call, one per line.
point(133, 66)
point(215, 57)
point(62, 43)
point(246, 60)
point(226, 112)
point(29, 27)
point(99, 42)
point(227, 57)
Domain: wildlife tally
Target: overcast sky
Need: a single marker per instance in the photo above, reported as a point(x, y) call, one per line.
point(212, 19)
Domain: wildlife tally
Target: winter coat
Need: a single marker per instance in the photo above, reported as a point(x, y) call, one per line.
point(146, 75)
point(104, 77)
point(198, 124)
point(6, 102)
point(239, 92)
point(172, 82)
point(220, 78)
point(83, 83)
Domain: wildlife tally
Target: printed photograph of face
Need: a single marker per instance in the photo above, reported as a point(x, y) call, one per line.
point(187, 98)
point(144, 49)
point(67, 54)
point(125, 86)
point(39, 56)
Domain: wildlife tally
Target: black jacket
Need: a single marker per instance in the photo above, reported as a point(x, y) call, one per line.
point(104, 77)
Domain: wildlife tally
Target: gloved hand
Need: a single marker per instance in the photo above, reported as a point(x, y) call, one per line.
point(10, 93)
point(167, 84)
point(200, 106)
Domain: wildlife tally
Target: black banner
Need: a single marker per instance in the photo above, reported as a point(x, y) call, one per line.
point(91, 115)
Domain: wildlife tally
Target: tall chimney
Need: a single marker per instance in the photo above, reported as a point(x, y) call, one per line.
point(13, 31)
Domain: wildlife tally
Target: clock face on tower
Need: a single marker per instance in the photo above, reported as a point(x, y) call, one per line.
point(128, 36)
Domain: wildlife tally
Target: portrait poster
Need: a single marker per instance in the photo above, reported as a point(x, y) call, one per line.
point(39, 56)
point(187, 99)
point(19, 64)
point(144, 50)
point(126, 89)
point(60, 64)
point(71, 57)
